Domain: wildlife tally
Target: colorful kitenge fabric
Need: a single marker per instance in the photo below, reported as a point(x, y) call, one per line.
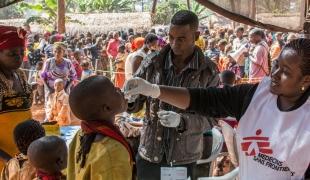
point(10, 100)
point(53, 71)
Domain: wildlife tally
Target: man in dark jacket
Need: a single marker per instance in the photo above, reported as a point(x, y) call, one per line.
point(178, 143)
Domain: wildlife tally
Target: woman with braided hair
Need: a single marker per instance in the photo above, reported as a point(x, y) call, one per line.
point(273, 135)
point(19, 168)
point(15, 93)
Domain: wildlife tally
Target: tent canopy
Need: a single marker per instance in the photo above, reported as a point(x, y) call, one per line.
point(275, 15)
point(4, 3)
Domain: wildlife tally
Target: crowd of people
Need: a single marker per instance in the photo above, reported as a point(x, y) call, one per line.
point(248, 53)
point(81, 76)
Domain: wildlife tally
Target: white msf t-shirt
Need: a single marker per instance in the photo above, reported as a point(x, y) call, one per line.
point(272, 144)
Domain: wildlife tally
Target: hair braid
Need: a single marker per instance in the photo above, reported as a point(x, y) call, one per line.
point(86, 141)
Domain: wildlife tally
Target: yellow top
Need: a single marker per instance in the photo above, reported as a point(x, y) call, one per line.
point(107, 160)
point(14, 109)
point(8, 121)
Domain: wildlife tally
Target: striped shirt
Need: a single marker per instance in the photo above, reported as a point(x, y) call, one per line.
point(172, 78)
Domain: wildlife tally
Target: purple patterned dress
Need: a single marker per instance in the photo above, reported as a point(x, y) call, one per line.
point(52, 71)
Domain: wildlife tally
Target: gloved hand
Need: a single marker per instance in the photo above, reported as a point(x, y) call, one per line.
point(169, 118)
point(137, 86)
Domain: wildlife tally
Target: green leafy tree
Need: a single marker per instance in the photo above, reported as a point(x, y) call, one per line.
point(46, 12)
point(165, 10)
point(201, 11)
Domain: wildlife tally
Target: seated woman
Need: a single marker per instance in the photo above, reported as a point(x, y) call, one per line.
point(15, 93)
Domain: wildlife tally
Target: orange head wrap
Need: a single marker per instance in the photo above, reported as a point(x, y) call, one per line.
point(137, 43)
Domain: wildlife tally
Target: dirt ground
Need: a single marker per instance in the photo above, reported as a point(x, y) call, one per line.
point(38, 113)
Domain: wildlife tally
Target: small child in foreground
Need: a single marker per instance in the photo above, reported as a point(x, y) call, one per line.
point(98, 150)
point(19, 168)
point(49, 156)
point(58, 106)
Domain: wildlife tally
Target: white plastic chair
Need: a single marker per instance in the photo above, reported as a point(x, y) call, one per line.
point(229, 176)
point(229, 135)
point(217, 144)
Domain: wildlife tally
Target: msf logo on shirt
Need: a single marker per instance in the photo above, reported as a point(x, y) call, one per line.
point(253, 145)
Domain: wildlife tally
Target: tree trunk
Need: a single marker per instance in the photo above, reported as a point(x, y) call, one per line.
point(61, 14)
point(188, 2)
point(153, 12)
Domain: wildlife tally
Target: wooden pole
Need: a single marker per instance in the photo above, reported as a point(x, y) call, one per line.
point(61, 15)
point(188, 2)
point(305, 9)
point(153, 12)
point(142, 5)
point(253, 9)
point(238, 9)
point(233, 8)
